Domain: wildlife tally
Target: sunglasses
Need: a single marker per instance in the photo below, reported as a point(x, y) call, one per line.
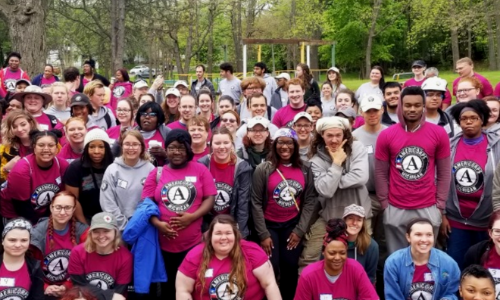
point(151, 114)
point(228, 120)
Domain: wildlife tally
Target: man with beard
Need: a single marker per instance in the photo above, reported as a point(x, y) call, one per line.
point(11, 74)
point(391, 91)
point(260, 70)
point(412, 169)
point(89, 74)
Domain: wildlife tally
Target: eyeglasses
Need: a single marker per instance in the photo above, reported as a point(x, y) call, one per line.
point(42, 146)
point(465, 90)
point(495, 231)
point(467, 119)
point(176, 149)
point(434, 94)
point(150, 114)
point(58, 208)
point(122, 110)
point(131, 146)
point(228, 120)
point(302, 126)
point(283, 143)
point(256, 130)
point(253, 88)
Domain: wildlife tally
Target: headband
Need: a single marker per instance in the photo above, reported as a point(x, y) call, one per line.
point(16, 224)
point(331, 122)
point(285, 132)
point(466, 109)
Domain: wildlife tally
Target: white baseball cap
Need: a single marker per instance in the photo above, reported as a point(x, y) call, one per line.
point(180, 82)
point(258, 120)
point(283, 75)
point(371, 102)
point(172, 91)
point(140, 84)
point(334, 69)
point(434, 84)
point(300, 115)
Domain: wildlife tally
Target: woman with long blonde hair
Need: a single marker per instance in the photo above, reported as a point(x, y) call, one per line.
point(226, 267)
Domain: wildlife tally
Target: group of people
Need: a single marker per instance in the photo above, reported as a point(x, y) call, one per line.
point(266, 187)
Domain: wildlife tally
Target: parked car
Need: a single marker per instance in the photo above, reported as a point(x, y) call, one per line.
point(138, 69)
point(145, 74)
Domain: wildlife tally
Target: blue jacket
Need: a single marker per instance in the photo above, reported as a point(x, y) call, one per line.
point(148, 261)
point(38, 79)
point(399, 269)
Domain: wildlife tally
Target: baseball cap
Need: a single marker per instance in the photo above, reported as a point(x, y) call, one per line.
point(419, 63)
point(434, 84)
point(22, 80)
point(172, 91)
point(371, 102)
point(79, 99)
point(103, 220)
point(334, 69)
point(180, 82)
point(258, 120)
point(140, 84)
point(349, 112)
point(352, 209)
point(283, 75)
point(300, 115)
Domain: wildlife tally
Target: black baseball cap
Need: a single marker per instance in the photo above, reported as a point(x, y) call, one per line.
point(419, 63)
point(79, 100)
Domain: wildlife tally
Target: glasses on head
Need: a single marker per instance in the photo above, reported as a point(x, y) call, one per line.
point(42, 146)
point(131, 145)
point(228, 120)
point(120, 110)
point(176, 149)
point(285, 143)
point(467, 119)
point(150, 114)
point(495, 231)
point(66, 208)
point(465, 90)
point(256, 130)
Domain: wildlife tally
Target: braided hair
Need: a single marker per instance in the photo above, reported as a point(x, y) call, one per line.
point(72, 221)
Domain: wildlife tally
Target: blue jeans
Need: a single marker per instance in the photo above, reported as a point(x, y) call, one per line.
point(460, 240)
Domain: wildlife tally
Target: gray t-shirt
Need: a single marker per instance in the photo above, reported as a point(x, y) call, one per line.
point(328, 108)
point(368, 89)
point(231, 88)
point(393, 117)
point(369, 140)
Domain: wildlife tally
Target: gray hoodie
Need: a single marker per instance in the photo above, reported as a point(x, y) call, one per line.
point(61, 115)
point(338, 186)
point(100, 120)
point(121, 189)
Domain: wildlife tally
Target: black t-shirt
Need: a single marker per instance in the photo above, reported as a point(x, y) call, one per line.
point(78, 176)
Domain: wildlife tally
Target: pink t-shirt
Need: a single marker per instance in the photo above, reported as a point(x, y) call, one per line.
point(217, 275)
point(45, 123)
point(358, 122)
point(47, 82)
point(120, 90)
point(56, 260)
point(224, 180)
point(284, 116)
point(158, 138)
point(413, 82)
point(10, 78)
point(468, 173)
point(201, 154)
point(177, 125)
point(18, 283)
point(352, 283)
point(85, 81)
point(492, 263)
point(68, 154)
point(496, 93)
point(412, 157)
point(114, 132)
point(38, 185)
point(280, 205)
point(487, 89)
point(422, 285)
point(180, 190)
point(103, 271)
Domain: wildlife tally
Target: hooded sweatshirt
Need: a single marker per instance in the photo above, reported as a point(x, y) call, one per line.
point(61, 115)
point(416, 164)
point(101, 120)
point(122, 187)
point(341, 186)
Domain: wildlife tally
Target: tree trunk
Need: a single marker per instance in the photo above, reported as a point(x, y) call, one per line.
point(189, 42)
point(26, 23)
point(371, 34)
point(117, 33)
point(210, 47)
point(490, 36)
point(496, 9)
point(455, 50)
point(289, 48)
point(237, 34)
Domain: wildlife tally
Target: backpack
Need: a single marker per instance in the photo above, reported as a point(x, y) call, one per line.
point(53, 120)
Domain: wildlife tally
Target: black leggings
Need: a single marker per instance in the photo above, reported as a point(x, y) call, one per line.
point(285, 262)
point(172, 263)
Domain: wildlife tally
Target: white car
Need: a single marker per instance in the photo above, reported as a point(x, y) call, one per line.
point(138, 70)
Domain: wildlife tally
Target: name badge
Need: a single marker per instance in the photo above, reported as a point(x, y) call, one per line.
point(428, 277)
point(7, 282)
point(209, 273)
point(369, 149)
point(58, 180)
point(325, 297)
point(43, 127)
point(191, 178)
point(122, 183)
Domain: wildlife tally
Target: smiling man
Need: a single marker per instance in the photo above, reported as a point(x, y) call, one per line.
point(412, 169)
point(392, 92)
point(465, 68)
point(187, 110)
point(435, 90)
point(284, 116)
point(303, 126)
point(11, 74)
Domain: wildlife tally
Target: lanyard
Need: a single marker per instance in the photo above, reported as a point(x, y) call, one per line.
point(289, 190)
